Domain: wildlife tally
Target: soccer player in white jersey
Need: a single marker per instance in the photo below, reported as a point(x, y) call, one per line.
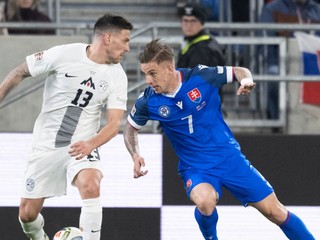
point(187, 104)
point(82, 78)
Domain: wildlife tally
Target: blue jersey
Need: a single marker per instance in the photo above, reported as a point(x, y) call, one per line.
point(191, 118)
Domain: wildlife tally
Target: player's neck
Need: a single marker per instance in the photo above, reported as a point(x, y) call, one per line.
point(177, 83)
point(94, 55)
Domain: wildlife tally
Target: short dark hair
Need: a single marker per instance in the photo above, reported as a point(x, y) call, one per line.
point(156, 51)
point(111, 22)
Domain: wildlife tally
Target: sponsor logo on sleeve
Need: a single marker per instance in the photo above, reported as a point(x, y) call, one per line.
point(38, 56)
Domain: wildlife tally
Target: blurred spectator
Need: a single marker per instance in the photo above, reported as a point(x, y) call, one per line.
point(200, 46)
point(240, 10)
point(283, 11)
point(26, 11)
point(3, 31)
point(240, 13)
point(212, 8)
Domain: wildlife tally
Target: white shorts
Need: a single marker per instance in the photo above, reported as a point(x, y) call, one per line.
point(48, 172)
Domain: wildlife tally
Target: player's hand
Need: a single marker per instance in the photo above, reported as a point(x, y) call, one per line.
point(138, 164)
point(245, 88)
point(80, 149)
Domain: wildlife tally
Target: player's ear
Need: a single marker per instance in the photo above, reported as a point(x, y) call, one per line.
point(107, 37)
point(171, 67)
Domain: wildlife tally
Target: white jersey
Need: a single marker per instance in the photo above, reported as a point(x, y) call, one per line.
point(75, 91)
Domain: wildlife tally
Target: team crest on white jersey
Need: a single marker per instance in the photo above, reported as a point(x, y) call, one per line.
point(103, 85)
point(30, 184)
point(164, 111)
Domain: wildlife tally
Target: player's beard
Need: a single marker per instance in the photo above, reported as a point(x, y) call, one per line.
point(115, 60)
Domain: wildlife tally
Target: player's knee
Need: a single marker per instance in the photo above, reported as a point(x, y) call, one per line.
point(205, 197)
point(88, 185)
point(89, 189)
point(206, 203)
point(276, 214)
point(206, 207)
point(27, 215)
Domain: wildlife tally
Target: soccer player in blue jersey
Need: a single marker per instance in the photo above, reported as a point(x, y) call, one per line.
point(186, 102)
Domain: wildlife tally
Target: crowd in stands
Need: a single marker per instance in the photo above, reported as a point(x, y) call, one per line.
point(23, 11)
point(283, 11)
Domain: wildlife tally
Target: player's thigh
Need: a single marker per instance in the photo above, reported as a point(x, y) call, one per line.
point(92, 161)
point(245, 182)
point(201, 184)
point(88, 182)
point(271, 208)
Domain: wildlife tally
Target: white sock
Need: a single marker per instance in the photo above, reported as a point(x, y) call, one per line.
point(34, 230)
point(91, 219)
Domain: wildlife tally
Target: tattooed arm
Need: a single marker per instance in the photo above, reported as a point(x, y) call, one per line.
point(130, 135)
point(244, 77)
point(13, 79)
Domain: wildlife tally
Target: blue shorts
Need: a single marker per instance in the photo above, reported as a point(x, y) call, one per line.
point(236, 174)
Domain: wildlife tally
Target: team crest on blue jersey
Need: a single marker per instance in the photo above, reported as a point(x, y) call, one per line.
point(188, 184)
point(164, 111)
point(195, 95)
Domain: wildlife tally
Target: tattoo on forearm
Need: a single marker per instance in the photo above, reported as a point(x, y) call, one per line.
point(16, 76)
point(131, 139)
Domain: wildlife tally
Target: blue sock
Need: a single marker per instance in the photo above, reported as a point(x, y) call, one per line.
point(294, 228)
point(207, 224)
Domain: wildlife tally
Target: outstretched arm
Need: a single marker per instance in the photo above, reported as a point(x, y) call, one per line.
point(244, 77)
point(130, 135)
point(13, 79)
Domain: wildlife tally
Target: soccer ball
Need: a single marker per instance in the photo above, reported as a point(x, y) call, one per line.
point(68, 233)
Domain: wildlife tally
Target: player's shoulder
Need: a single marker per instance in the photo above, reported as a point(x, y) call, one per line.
point(117, 68)
point(147, 93)
point(69, 48)
point(203, 73)
point(144, 98)
point(199, 70)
